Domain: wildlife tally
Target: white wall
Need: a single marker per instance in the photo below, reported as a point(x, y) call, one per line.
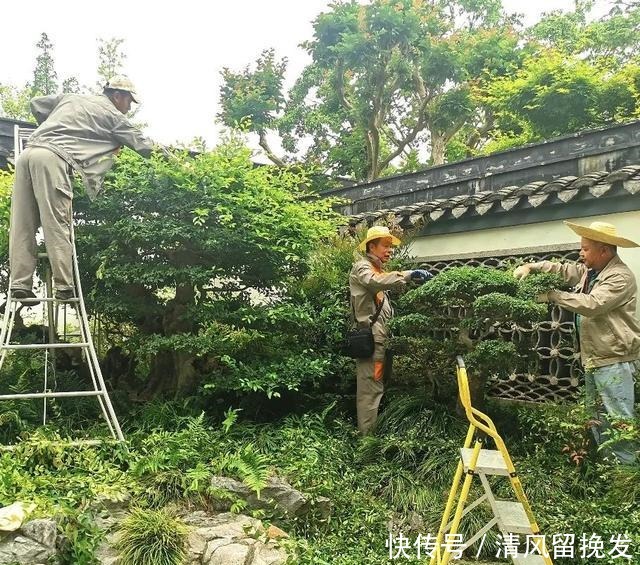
point(502, 241)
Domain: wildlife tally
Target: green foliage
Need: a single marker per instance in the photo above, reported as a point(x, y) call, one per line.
point(457, 287)
point(492, 357)
point(460, 311)
point(580, 72)
point(253, 99)
point(393, 76)
point(152, 537)
point(538, 283)
point(6, 184)
point(401, 475)
point(45, 469)
point(44, 75)
point(500, 307)
point(201, 259)
point(385, 77)
point(14, 102)
point(251, 466)
point(80, 538)
point(111, 58)
point(254, 95)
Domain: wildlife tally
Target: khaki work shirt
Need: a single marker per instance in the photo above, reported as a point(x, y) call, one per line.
point(609, 330)
point(87, 132)
point(367, 285)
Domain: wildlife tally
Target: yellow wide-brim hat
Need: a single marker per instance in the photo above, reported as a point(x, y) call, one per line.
point(377, 232)
point(602, 232)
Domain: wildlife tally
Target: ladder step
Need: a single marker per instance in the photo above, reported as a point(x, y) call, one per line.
point(490, 461)
point(26, 395)
point(45, 346)
point(529, 560)
point(513, 517)
point(38, 300)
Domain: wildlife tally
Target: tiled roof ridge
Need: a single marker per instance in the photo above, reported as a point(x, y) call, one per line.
point(566, 188)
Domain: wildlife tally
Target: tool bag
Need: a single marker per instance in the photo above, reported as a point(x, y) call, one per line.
point(359, 342)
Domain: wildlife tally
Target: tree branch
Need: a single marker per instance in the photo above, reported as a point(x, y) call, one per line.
point(340, 87)
point(267, 149)
point(417, 128)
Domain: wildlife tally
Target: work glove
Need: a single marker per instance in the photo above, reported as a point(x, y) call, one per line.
point(421, 276)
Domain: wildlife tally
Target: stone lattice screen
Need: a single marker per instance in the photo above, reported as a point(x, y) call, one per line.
point(553, 372)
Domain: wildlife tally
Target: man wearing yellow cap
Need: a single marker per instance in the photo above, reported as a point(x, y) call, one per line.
point(76, 133)
point(368, 283)
point(609, 332)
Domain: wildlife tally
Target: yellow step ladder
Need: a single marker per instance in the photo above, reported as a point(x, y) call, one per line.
point(511, 517)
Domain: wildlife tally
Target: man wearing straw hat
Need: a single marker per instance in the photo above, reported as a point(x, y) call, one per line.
point(609, 332)
point(368, 283)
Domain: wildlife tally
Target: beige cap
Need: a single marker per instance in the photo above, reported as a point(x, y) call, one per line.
point(121, 82)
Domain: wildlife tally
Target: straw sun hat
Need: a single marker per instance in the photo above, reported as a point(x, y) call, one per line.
point(602, 232)
point(377, 232)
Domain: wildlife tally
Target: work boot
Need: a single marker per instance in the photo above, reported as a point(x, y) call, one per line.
point(23, 294)
point(20, 293)
point(65, 294)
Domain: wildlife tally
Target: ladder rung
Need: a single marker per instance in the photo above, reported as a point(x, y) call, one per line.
point(529, 560)
point(26, 395)
point(490, 461)
point(513, 517)
point(38, 300)
point(45, 346)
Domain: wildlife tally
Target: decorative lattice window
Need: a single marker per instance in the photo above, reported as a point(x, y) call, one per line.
point(554, 372)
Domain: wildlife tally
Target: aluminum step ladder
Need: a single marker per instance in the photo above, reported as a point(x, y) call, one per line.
point(512, 517)
point(52, 310)
point(52, 306)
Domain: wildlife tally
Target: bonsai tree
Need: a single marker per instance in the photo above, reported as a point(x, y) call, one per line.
point(460, 311)
point(193, 265)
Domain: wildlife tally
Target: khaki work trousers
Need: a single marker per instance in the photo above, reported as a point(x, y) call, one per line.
point(41, 197)
point(371, 374)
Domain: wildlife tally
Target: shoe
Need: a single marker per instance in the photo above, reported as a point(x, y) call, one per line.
point(22, 293)
point(65, 294)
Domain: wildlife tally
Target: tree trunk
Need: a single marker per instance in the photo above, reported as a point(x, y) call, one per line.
point(172, 373)
point(438, 145)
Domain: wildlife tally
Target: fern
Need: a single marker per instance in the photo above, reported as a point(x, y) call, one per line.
point(252, 467)
point(230, 418)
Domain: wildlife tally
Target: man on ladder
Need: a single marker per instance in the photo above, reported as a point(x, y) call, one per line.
point(76, 134)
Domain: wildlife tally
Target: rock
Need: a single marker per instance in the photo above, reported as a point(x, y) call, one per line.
point(322, 505)
point(108, 512)
point(273, 532)
point(106, 553)
point(227, 539)
point(213, 539)
point(32, 544)
point(230, 554)
point(43, 531)
point(283, 495)
point(278, 495)
point(268, 555)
